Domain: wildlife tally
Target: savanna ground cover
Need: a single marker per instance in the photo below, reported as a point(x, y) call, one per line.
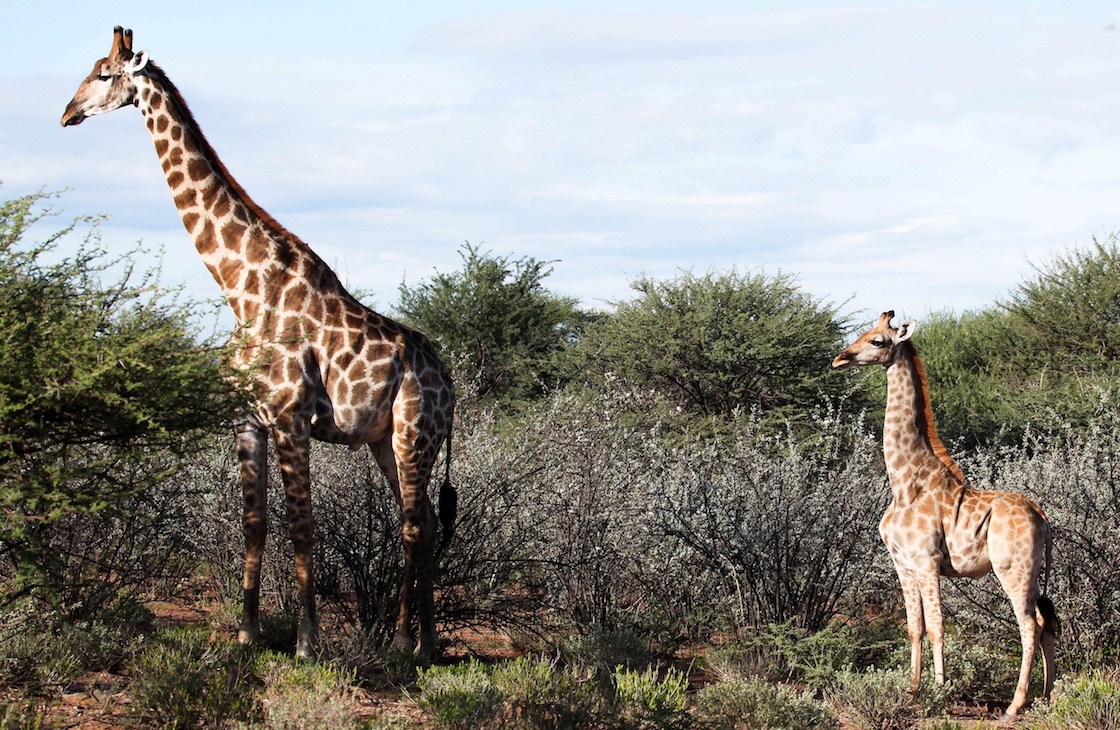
point(667, 512)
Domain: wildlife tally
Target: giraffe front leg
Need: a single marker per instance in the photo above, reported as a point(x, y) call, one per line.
point(292, 452)
point(915, 626)
point(930, 585)
point(252, 452)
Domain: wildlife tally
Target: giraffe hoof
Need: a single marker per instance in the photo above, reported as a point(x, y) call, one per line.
point(428, 651)
point(248, 635)
point(403, 643)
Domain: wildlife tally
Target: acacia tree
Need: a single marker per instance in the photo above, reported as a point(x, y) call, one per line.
point(718, 344)
point(1049, 352)
point(104, 390)
point(495, 322)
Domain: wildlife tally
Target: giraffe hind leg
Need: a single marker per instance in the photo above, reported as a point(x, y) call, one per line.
point(1020, 585)
point(418, 535)
point(418, 532)
point(386, 459)
point(1030, 634)
point(1051, 630)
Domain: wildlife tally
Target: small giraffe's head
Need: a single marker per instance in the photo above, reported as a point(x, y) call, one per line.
point(110, 85)
point(877, 344)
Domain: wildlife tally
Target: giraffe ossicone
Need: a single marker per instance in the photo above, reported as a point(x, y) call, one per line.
point(938, 525)
point(323, 366)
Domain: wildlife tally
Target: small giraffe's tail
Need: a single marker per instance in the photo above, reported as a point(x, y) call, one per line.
point(1050, 623)
point(448, 502)
point(1049, 615)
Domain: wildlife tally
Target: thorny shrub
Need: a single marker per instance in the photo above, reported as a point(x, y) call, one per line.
point(744, 704)
point(573, 519)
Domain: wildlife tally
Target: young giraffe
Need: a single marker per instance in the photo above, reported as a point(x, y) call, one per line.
point(323, 365)
point(937, 525)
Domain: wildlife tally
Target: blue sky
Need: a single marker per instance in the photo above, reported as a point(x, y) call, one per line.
point(914, 156)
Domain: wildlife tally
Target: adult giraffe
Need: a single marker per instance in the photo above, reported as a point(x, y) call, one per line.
point(938, 525)
point(323, 365)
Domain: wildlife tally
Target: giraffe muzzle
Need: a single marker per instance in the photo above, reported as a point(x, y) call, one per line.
point(72, 116)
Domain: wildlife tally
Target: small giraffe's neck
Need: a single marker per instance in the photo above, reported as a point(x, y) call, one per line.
point(910, 441)
point(238, 241)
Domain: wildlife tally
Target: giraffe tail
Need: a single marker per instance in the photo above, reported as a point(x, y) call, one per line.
point(1050, 623)
point(1048, 614)
point(448, 503)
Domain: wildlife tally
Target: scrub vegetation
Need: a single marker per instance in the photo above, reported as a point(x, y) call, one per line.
point(668, 509)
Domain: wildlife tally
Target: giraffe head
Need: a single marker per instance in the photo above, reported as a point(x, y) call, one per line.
point(110, 85)
point(876, 345)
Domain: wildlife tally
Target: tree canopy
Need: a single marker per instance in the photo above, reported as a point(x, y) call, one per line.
point(104, 386)
point(720, 343)
point(495, 322)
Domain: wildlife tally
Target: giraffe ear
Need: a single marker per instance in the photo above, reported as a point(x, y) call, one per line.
point(905, 331)
point(137, 63)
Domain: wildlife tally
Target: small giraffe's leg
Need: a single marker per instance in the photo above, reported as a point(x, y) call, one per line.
point(1029, 633)
point(292, 452)
point(1017, 564)
point(1049, 638)
point(931, 606)
point(1024, 601)
point(252, 451)
point(915, 626)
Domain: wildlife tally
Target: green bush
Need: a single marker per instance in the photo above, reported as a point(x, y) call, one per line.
point(976, 671)
point(531, 694)
point(716, 345)
point(459, 696)
point(301, 695)
point(745, 704)
point(105, 390)
point(1083, 702)
point(38, 652)
point(881, 700)
point(187, 678)
point(20, 714)
point(1049, 349)
point(538, 695)
point(496, 324)
point(784, 652)
point(651, 699)
point(600, 651)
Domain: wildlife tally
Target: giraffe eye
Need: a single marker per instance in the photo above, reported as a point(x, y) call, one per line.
point(878, 343)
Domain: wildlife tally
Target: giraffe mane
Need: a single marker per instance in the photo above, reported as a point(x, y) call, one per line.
point(208, 152)
point(927, 424)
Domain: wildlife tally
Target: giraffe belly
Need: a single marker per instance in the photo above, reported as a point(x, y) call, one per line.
point(966, 562)
point(349, 425)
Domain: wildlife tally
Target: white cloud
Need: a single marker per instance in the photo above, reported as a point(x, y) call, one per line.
point(921, 153)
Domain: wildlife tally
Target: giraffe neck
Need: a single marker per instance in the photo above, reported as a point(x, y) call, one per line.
point(238, 241)
point(910, 442)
